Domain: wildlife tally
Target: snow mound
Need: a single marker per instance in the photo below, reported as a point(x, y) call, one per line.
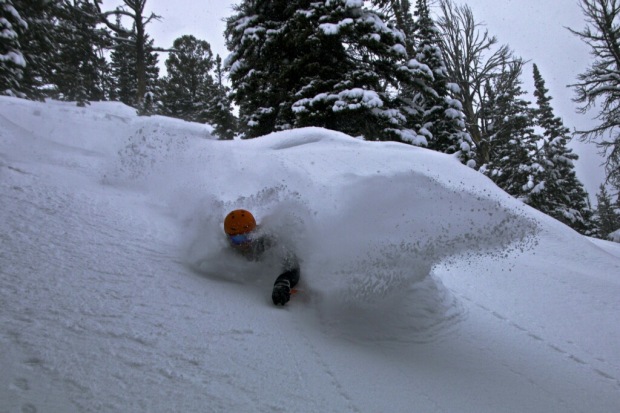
point(614, 236)
point(367, 230)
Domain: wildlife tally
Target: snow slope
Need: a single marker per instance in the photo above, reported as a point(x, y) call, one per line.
point(425, 288)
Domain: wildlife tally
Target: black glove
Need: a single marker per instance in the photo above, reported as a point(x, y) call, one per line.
point(281, 292)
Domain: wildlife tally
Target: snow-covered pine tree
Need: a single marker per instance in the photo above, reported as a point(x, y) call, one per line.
point(12, 62)
point(220, 107)
point(358, 68)
point(606, 218)
point(559, 193)
point(188, 86)
point(513, 141)
point(441, 118)
point(259, 64)
point(399, 12)
point(330, 63)
point(81, 66)
point(38, 45)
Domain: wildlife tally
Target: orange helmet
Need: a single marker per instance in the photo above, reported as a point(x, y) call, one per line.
point(239, 222)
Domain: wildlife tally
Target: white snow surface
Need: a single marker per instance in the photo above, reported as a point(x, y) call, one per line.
point(424, 287)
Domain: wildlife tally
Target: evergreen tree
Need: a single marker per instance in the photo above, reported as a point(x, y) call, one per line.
point(220, 108)
point(252, 37)
point(81, 66)
point(513, 141)
point(441, 119)
point(329, 63)
point(124, 71)
point(399, 12)
point(188, 87)
point(138, 43)
point(12, 62)
point(191, 93)
point(150, 103)
point(38, 45)
point(607, 219)
point(559, 194)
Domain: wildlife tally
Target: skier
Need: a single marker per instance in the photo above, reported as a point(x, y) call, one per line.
point(241, 229)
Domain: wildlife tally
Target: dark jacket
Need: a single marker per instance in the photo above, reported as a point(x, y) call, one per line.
point(289, 265)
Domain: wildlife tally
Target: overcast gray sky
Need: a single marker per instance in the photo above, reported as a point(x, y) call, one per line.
point(534, 29)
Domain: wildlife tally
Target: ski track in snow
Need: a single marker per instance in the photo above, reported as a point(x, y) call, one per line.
point(108, 302)
point(551, 346)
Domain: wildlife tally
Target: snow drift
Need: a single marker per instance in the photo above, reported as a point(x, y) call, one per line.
point(423, 286)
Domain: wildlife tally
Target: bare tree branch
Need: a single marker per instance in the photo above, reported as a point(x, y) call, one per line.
point(599, 85)
point(134, 10)
point(473, 59)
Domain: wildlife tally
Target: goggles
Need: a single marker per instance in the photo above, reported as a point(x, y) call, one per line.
point(240, 239)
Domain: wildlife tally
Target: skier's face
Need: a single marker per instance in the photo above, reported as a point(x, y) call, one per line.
point(240, 241)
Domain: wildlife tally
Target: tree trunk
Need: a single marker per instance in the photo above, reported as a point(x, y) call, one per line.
point(137, 6)
point(140, 59)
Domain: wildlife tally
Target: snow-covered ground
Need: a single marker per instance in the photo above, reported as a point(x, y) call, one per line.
point(424, 287)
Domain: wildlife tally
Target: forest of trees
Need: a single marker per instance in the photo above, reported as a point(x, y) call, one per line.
point(419, 72)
